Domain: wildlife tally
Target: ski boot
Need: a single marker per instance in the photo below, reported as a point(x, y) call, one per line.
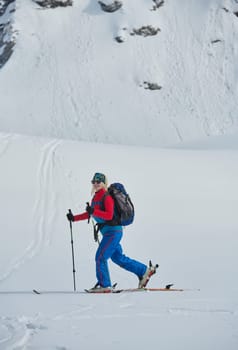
point(150, 271)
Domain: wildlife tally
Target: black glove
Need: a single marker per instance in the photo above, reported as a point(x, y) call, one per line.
point(89, 209)
point(70, 216)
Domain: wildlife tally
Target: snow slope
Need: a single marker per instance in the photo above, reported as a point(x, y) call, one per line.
point(69, 78)
point(69, 96)
point(186, 220)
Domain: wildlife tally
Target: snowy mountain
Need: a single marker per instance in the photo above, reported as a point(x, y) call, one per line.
point(145, 74)
point(84, 90)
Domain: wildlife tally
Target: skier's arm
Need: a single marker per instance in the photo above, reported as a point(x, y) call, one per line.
point(106, 214)
point(82, 216)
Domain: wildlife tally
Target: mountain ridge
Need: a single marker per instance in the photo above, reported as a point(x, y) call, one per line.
point(76, 81)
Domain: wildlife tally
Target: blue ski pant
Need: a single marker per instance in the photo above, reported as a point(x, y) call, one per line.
point(110, 248)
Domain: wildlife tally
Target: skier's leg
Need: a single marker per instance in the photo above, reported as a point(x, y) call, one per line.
point(127, 263)
point(105, 250)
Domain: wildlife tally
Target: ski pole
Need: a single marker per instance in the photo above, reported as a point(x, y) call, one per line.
point(72, 247)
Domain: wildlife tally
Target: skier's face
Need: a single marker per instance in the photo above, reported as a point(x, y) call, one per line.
point(98, 185)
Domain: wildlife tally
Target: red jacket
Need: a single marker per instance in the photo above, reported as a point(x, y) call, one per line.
point(106, 214)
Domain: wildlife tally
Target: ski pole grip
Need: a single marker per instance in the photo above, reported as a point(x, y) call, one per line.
point(70, 223)
point(88, 214)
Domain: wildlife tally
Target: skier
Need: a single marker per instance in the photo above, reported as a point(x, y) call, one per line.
point(109, 247)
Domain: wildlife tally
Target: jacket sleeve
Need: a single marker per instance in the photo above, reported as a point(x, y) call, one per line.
point(83, 216)
point(106, 214)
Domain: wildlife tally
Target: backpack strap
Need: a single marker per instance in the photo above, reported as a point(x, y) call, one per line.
point(98, 226)
point(103, 200)
point(113, 221)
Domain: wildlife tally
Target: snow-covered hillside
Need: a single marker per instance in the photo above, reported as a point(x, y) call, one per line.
point(186, 220)
point(70, 78)
point(86, 90)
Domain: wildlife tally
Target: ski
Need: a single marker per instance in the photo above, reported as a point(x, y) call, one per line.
point(55, 292)
point(148, 290)
point(168, 288)
point(58, 292)
point(131, 290)
point(109, 291)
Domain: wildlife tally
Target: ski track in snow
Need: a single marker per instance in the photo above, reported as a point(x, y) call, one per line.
point(15, 332)
point(5, 143)
point(123, 312)
point(213, 63)
point(44, 210)
point(45, 205)
point(176, 69)
point(65, 102)
point(19, 332)
point(204, 64)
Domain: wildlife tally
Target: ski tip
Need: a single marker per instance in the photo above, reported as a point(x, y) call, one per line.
point(168, 286)
point(36, 291)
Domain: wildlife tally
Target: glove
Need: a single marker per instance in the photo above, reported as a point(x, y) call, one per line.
point(70, 216)
point(89, 209)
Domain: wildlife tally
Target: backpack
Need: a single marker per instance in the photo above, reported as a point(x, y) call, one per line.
point(124, 211)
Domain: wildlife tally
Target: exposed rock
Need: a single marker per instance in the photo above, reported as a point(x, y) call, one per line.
point(145, 31)
point(157, 4)
point(7, 50)
point(7, 40)
point(116, 5)
point(225, 9)
point(119, 39)
point(4, 4)
point(216, 41)
point(54, 3)
point(151, 86)
point(122, 34)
